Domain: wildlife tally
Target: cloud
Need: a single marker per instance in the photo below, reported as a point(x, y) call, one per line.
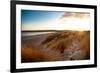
point(76, 15)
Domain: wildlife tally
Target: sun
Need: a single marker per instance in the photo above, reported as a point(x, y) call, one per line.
point(70, 24)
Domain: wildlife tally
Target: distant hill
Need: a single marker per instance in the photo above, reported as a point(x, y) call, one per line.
point(41, 30)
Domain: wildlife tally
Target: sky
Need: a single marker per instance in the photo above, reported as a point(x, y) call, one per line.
point(29, 16)
point(54, 20)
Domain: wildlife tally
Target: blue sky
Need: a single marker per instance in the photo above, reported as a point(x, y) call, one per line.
point(29, 17)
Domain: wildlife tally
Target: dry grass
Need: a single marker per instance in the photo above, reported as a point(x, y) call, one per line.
point(58, 46)
point(38, 55)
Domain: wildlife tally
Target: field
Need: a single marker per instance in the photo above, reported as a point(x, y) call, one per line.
point(63, 45)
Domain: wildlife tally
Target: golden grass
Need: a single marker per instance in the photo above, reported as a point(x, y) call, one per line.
point(55, 46)
point(38, 55)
